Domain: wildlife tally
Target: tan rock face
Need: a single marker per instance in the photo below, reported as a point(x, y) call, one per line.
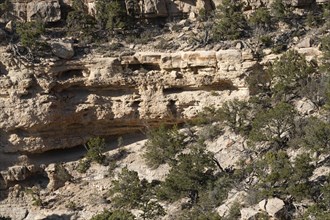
point(64, 103)
point(49, 10)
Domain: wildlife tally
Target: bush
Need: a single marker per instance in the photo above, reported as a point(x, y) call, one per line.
point(189, 176)
point(278, 177)
point(29, 33)
point(114, 215)
point(275, 125)
point(317, 135)
point(130, 192)
point(259, 81)
point(83, 166)
point(6, 9)
point(79, 23)
point(266, 40)
point(162, 146)
point(235, 114)
point(111, 14)
point(230, 22)
point(280, 11)
point(325, 47)
point(326, 14)
point(95, 147)
point(289, 75)
point(261, 19)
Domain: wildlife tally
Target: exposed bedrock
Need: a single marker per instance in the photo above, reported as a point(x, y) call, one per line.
point(62, 104)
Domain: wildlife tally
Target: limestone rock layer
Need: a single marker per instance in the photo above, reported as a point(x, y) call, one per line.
point(61, 104)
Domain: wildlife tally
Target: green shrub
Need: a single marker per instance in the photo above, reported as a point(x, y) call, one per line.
point(289, 75)
point(325, 47)
point(279, 47)
point(111, 14)
point(266, 40)
point(230, 22)
point(199, 214)
point(162, 146)
point(279, 177)
point(316, 135)
point(275, 125)
point(313, 19)
point(189, 176)
point(258, 81)
point(114, 215)
point(79, 23)
point(280, 11)
point(130, 192)
point(326, 14)
point(261, 19)
point(234, 211)
point(95, 147)
point(29, 33)
point(205, 117)
point(6, 9)
point(83, 166)
point(235, 114)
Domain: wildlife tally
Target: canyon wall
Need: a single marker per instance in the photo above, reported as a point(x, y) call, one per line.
point(62, 104)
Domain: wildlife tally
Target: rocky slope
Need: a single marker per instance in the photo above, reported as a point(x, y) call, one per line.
point(50, 109)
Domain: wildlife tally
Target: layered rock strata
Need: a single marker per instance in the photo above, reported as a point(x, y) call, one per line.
point(61, 104)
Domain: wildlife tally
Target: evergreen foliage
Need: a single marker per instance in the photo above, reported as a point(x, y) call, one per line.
point(289, 75)
point(114, 215)
point(261, 19)
point(280, 11)
point(274, 125)
point(316, 135)
point(230, 23)
point(235, 114)
point(129, 192)
point(162, 146)
point(79, 23)
point(29, 33)
point(111, 14)
point(95, 147)
point(189, 176)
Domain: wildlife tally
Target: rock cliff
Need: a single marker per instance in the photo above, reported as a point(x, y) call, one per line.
point(102, 96)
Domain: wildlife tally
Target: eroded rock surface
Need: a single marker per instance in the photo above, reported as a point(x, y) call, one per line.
point(101, 96)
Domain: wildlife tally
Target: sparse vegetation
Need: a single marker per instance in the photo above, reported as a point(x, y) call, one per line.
point(114, 215)
point(274, 125)
point(29, 34)
point(129, 192)
point(261, 19)
point(163, 145)
point(230, 23)
point(289, 75)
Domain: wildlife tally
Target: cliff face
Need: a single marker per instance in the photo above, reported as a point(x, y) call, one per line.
point(53, 10)
point(62, 104)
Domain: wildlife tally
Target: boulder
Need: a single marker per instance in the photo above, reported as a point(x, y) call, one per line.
point(9, 27)
point(275, 207)
point(13, 212)
point(57, 175)
point(155, 8)
point(17, 173)
point(249, 213)
point(305, 106)
point(305, 43)
point(48, 11)
point(62, 49)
